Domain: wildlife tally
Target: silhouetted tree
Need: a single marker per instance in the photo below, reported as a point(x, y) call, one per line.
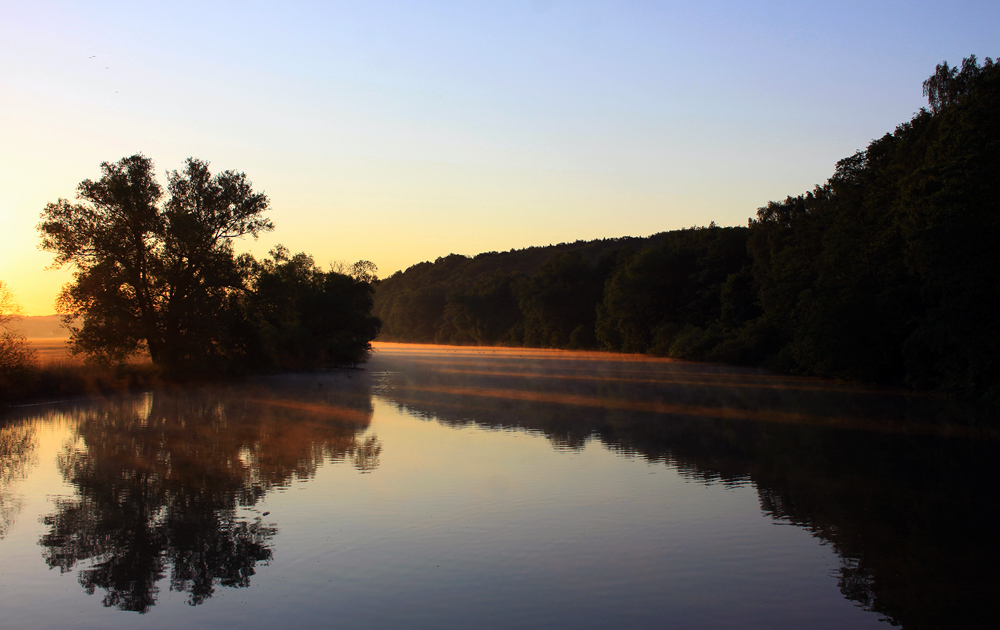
point(948, 85)
point(667, 298)
point(559, 302)
point(154, 274)
point(486, 311)
point(885, 273)
point(310, 318)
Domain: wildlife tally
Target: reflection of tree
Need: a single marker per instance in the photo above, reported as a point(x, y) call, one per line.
point(366, 454)
point(17, 453)
point(160, 480)
point(906, 502)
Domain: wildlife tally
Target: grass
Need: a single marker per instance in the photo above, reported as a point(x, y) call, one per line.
point(50, 350)
point(55, 374)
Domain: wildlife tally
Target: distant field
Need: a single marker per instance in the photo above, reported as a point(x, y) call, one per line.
point(55, 350)
point(42, 327)
point(52, 350)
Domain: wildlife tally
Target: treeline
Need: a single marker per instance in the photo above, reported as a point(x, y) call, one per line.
point(886, 273)
point(155, 272)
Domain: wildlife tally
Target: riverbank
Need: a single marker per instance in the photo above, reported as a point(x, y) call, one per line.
point(54, 378)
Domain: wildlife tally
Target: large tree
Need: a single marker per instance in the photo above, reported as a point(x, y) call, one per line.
point(155, 272)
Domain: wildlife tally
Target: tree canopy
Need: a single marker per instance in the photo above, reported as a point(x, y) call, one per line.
point(309, 317)
point(884, 273)
point(158, 272)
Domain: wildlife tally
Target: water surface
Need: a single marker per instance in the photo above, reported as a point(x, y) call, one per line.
point(445, 487)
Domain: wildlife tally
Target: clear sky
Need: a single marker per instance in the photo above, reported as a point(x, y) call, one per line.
point(401, 132)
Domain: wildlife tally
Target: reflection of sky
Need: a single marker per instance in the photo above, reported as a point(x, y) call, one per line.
point(478, 377)
point(498, 497)
point(400, 132)
point(461, 524)
point(496, 526)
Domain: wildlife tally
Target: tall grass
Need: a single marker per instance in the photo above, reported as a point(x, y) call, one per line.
point(60, 379)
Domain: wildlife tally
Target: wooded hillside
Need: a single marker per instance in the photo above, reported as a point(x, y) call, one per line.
point(885, 273)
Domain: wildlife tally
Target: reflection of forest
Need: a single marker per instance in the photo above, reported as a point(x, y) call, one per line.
point(160, 479)
point(905, 499)
point(17, 453)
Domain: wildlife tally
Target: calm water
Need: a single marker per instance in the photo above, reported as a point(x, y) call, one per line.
point(452, 488)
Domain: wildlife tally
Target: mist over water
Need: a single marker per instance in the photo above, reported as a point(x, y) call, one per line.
point(451, 487)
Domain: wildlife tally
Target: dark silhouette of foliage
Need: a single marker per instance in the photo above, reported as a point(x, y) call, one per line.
point(486, 311)
point(162, 276)
point(478, 300)
point(667, 298)
point(311, 318)
point(156, 275)
point(948, 85)
point(557, 303)
point(15, 355)
point(885, 273)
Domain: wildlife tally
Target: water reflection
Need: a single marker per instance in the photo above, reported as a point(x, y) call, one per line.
point(17, 454)
point(166, 481)
point(902, 487)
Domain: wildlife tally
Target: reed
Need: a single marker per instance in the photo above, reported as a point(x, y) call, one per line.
point(60, 379)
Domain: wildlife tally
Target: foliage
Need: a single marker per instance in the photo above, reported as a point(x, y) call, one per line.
point(312, 318)
point(885, 273)
point(485, 311)
point(673, 285)
point(948, 86)
point(544, 296)
point(152, 275)
point(557, 303)
point(159, 273)
point(15, 355)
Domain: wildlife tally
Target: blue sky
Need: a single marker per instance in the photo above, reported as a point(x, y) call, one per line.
point(400, 132)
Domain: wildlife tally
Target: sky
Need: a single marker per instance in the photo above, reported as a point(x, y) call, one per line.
point(400, 132)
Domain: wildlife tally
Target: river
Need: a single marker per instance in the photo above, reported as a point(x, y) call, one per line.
point(444, 487)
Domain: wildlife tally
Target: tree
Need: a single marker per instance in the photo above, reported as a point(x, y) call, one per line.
point(310, 318)
point(14, 351)
point(559, 302)
point(157, 275)
point(948, 85)
point(364, 271)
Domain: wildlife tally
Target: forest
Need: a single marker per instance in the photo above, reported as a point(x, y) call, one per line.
point(886, 273)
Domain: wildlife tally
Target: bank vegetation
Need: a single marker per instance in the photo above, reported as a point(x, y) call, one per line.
point(886, 273)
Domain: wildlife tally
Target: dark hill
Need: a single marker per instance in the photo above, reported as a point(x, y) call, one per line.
point(885, 273)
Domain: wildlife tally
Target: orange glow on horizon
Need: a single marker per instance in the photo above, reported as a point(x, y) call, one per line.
point(499, 351)
point(722, 380)
point(703, 411)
